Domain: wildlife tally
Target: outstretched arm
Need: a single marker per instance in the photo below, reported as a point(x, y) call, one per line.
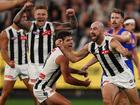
point(64, 66)
point(80, 72)
point(17, 20)
point(75, 56)
point(8, 4)
point(125, 37)
point(119, 48)
point(71, 24)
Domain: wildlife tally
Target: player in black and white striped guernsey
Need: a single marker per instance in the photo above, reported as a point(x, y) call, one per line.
point(111, 61)
point(41, 33)
point(55, 65)
point(14, 52)
point(108, 52)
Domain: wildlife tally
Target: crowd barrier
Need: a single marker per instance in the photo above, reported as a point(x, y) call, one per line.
point(94, 74)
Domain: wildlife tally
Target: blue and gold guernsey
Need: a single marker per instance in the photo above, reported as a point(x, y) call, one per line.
point(129, 46)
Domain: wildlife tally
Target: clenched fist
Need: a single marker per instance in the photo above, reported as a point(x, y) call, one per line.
point(70, 12)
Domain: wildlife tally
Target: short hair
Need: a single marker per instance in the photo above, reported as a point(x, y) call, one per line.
point(62, 35)
point(118, 11)
point(40, 7)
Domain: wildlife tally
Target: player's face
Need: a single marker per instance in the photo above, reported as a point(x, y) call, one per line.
point(116, 20)
point(130, 26)
point(95, 32)
point(41, 16)
point(24, 17)
point(68, 42)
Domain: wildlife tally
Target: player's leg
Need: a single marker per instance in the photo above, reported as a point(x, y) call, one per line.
point(10, 75)
point(7, 88)
point(133, 96)
point(123, 99)
point(25, 77)
point(57, 99)
point(110, 92)
point(29, 87)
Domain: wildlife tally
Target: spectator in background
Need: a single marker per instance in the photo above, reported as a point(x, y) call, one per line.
point(130, 10)
point(5, 19)
point(102, 9)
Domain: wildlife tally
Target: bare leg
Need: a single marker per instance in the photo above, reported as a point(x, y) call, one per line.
point(6, 91)
point(133, 96)
point(30, 88)
point(57, 99)
point(123, 99)
point(109, 93)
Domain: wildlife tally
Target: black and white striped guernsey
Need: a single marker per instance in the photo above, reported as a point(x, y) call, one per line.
point(110, 60)
point(40, 42)
point(51, 71)
point(17, 45)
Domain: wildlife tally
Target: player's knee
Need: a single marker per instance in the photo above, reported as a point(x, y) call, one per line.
point(107, 101)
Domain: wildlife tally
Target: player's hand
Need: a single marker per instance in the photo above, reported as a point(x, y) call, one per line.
point(87, 82)
point(11, 64)
point(28, 4)
point(70, 12)
point(84, 73)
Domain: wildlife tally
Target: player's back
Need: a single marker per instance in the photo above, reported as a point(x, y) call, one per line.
point(51, 71)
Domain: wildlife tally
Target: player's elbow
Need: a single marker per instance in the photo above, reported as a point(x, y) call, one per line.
point(67, 79)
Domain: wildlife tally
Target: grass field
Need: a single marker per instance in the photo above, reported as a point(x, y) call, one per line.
point(74, 102)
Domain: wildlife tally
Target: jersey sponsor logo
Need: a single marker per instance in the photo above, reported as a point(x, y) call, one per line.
point(23, 38)
point(47, 33)
point(41, 75)
point(9, 76)
point(105, 52)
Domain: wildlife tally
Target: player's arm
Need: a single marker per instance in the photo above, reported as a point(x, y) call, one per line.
point(17, 20)
point(80, 72)
point(75, 56)
point(115, 44)
point(71, 24)
point(4, 49)
point(125, 37)
point(64, 66)
point(91, 62)
point(8, 4)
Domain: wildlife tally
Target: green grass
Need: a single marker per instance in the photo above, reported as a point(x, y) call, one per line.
point(74, 102)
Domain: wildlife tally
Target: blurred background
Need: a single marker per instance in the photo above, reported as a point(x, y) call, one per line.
point(87, 11)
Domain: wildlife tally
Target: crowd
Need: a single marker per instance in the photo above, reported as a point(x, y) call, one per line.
point(87, 11)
